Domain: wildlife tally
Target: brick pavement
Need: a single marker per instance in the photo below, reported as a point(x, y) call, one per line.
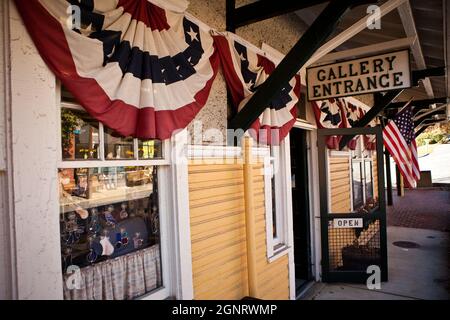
point(421, 208)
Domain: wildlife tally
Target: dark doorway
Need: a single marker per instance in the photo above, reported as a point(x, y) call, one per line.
point(300, 207)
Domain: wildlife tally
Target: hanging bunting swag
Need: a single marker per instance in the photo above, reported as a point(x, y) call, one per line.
point(339, 113)
point(141, 67)
point(244, 71)
point(330, 114)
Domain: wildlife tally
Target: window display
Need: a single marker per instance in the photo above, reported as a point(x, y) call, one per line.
point(108, 214)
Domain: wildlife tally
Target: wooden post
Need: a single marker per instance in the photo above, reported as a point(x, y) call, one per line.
point(400, 189)
point(250, 217)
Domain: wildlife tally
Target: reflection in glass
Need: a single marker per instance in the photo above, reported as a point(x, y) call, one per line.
point(109, 219)
point(357, 181)
point(79, 135)
point(150, 149)
point(118, 147)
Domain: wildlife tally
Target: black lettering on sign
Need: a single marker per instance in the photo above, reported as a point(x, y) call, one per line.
point(348, 86)
point(352, 73)
point(337, 86)
point(378, 65)
point(397, 81)
point(331, 75)
point(390, 60)
point(316, 91)
point(359, 86)
point(384, 80)
point(319, 77)
point(372, 82)
point(363, 66)
point(341, 73)
point(326, 89)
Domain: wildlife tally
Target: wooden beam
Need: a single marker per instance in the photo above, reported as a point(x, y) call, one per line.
point(371, 114)
point(418, 103)
point(266, 9)
point(441, 109)
point(230, 9)
point(316, 34)
point(409, 25)
point(350, 32)
point(429, 120)
point(425, 73)
point(370, 49)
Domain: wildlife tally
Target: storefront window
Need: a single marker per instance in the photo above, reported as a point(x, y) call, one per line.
point(84, 138)
point(109, 215)
point(79, 135)
point(110, 230)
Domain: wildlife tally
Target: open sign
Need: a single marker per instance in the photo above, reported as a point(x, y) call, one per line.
point(348, 223)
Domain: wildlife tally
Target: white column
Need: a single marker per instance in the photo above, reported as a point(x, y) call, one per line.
point(34, 131)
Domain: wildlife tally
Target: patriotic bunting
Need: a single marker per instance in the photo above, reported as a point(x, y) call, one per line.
point(143, 68)
point(244, 71)
point(330, 114)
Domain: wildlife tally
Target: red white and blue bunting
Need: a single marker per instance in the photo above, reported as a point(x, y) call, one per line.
point(339, 113)
point(143, 68)
point(330, 114)
point(245, 70)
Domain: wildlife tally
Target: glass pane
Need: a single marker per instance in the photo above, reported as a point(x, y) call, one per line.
point(150, 149)
point(109, 219)
point(352, 174)
point(357, 181)
point(79, 135)
point(369, 181)
point(118, 147)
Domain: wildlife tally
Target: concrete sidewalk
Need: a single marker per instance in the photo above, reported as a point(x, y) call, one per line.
point(420, 273)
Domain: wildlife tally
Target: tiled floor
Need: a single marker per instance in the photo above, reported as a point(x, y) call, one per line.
point(422, 209)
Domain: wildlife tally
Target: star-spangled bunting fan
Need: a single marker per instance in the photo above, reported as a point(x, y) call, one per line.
point(244, 71)
point(141, 67)
point(330, 114)
point(399, 138)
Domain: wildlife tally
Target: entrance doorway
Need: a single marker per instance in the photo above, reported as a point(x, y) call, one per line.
point(352, 204)
point(301, 208)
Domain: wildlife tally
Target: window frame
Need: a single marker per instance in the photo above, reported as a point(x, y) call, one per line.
point(168, 238)
point(279, 245)
point(361, 156)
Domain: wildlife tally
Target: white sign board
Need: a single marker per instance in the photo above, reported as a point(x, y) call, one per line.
point(388, 71)
point(348, 223)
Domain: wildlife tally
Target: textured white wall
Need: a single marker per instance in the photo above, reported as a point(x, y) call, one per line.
point(35, 156)
point(5, 270)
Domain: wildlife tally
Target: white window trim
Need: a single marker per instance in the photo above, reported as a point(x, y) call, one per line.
point(283, 203)
point(174, 203)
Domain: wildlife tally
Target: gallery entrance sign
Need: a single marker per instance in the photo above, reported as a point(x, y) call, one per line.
point(383, 72)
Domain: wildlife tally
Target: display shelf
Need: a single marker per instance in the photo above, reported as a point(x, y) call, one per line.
point(105, 197)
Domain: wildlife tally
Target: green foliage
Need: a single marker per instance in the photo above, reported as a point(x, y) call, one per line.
point(69, 122)
point(434, 134)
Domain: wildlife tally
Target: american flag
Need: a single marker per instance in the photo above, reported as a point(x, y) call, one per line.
point(399, 138)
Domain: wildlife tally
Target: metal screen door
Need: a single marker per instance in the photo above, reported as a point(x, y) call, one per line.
point(352, 204)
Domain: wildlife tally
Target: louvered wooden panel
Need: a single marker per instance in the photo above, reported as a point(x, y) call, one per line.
point(219, 253)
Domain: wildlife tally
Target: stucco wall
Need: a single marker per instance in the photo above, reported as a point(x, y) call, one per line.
point(5, 286)
point(35, 153)
point(281, 33)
